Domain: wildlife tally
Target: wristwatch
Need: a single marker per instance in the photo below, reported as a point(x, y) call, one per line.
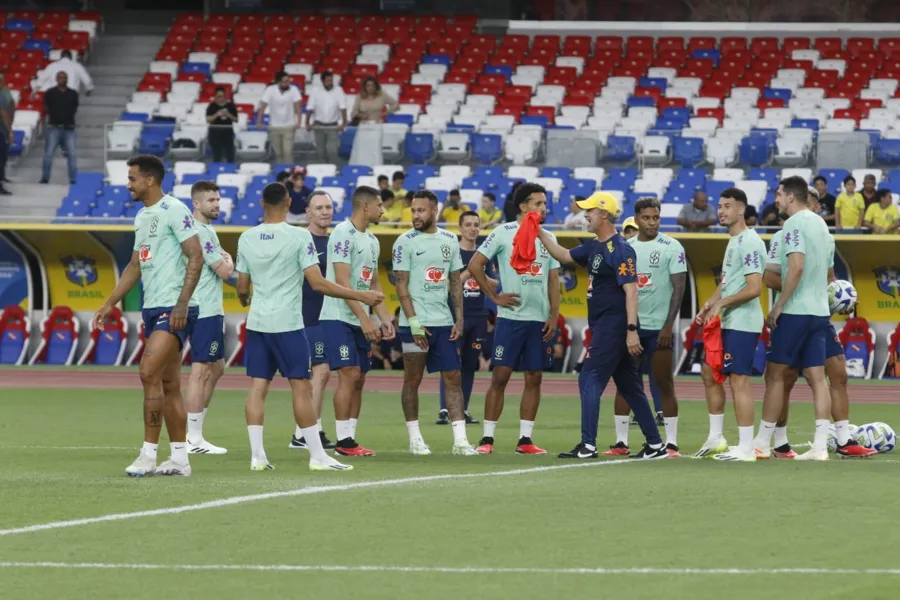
point(632, 327)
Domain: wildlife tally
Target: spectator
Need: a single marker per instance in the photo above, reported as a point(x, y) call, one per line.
point(60, 105)
point(849, 208)
point(78, 76)
point(383, 182)
point(750, 215)
point(511, 207)
point(295, 182)
point(372, 103)
point(285, 114)
point(698, 216)
point(882, 216)
point(869, 193)
point(826, 200)
point(407, 210)
point(393, 207)
point(452, 209)
point(771, 216)
point(7, 112)
point(576, 219)
point(629, 228)
point(326, 116)
point(489, 214)
point(221, 114)
point(397, 180)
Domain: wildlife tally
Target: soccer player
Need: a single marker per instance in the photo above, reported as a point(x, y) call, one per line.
point(835, 367)
point(736, 301)
point(276, 258)
point(661, 280)
point(612, 299)
point(474, 314)
point(168, 258)
point(345, 327)
point(527, 315)
point(427, 265)
point(800, 318)
point(207, 339)
point(319, 213)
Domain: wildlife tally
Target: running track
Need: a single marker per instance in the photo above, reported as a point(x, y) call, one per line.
point(381, 382)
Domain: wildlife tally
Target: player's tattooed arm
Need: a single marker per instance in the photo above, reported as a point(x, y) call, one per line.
point(401, 279)
point(243, 289)
point(129, 278)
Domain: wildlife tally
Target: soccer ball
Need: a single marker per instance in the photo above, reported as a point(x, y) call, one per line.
point(832, 436)
point(841, 297)
point(878, 436)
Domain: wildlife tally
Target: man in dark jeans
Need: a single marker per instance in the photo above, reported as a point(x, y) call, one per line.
point(7, 110)
point(60, 104)
point(221, 114)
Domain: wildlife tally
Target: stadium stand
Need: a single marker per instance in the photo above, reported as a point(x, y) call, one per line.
point(59, 338)
point(890, 369)
point(107, 345)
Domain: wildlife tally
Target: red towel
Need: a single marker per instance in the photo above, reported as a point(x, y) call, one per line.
point(715, 350)
point(523, 253)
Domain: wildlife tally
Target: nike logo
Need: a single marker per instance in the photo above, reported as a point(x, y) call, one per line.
point(195, 420)
point(726, 365)
point(321, 253)
point(361, 250)
point(421, 253)
point(583, 454)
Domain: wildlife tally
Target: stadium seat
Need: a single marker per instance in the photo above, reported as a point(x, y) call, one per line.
point(15, 331)
point(487, 148)
point(59, 332)
point(891, 367)
point(107, 345)
point(858, 339)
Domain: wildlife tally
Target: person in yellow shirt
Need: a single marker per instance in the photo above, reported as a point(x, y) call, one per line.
point(849, 207)
point(406, 217)
point(489, 214)
point(397, 180)
point(453, 210)
point(882, 216)
point(629, 228)
point(393, 207)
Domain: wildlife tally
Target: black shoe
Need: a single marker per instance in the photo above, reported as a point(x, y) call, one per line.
point(326, 443)
point(4, 191)
point(443, 418)
point(660, 420)
point(297, 443)
point(783, 449)
point(470, 420)
point(582, 450)
point(43, 181)
point(648, 453)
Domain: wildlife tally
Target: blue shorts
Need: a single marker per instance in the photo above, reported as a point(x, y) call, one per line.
point(443, 354)
point(316, 344)
point(208, 339)
point(286, 352)
point(158, 319)
point(520, 345)
point(740, 351)
point(799, 341)
point(345, 345)
point(470, 344)
point(833, 345)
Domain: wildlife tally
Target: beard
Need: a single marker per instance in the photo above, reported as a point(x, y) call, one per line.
point(426, 224)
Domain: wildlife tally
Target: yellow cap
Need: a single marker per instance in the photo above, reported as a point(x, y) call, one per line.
point(629, 222)
point(602, 200)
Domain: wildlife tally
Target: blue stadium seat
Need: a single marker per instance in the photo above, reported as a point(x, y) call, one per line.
point(227, 191)
point(153, 142)
point(680, 192)
point(404, 119)
point(620, 179)
point(20, 25)
point(714, 189)
point(893, 178)
point(419, 147)
point(499, 70)
point(755, 150)
point(454, 128)
point(539, 120)
point(782, 93)
point(74, 208)
point(619, 148)
point(479, 183)
point(248, 217)
point(197, 67)
point(437, 59)
point(422, 171)
point(693, 176)
point(688, 151)
point(192, 178)
point(43, 45)
point(214, 169)
point(335, 181)
point(581, 187)
point(835, 178)
point(805, 124)
point(564, 173)
point(677, 114)
point(874, 137)
point(713, 55)
point(560, 210)
point(638, 101)
point(108, 212)
point(770, 176)
point(345, 142)
point(664, 125)
point(487, 148)
point(657, 82)
point(133, 210)
point(494, 173)
point(136, 117)
point(355, 171)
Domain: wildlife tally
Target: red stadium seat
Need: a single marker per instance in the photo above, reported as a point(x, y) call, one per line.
point(702, 43)
point(664, 103)
point(794, 43)
point(729, 45)
point(764, 44)
point(542, 111)
point(609, 42)
point(765, 103)
point(648, 92)
point(712, 113)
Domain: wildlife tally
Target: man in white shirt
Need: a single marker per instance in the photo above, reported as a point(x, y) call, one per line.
point(285, 114)
point(78, 76)
point(326, 116)
point(576, 219)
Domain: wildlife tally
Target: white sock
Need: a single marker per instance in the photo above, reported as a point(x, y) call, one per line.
point(342, 428)
point(314, 443)
point(745, 437)
point(179, 452)
point(780, 436)
point(150, 449)
point(298, 432)
point(764, 435)
point(319, 425)
point(489, 427)
point(622, 429)
point(820, 439)
point(526, 428)
point(195, 427)
point(204, 412)
point(459, 433)
point(256, 442)
point(842, 432)
point(412, 428)
point(671, 430)
point(716, 423)
point(353, 423)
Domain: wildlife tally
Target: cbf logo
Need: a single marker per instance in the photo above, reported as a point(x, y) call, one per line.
point(543, 251)
point(319, 349)
point(445, 252)
point(213, 348)
point(654, 258)
point(154, 224)
point(888, 281)
point(344, 351)
point(498, 352)
point(80, 270)
point(598, 260)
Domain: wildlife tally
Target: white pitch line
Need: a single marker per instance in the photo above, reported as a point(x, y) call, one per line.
point(297, 492)
point(69, 448)
point(454, 570)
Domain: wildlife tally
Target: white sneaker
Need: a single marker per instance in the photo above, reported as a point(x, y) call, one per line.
point(711, 447)
point(419, 448)
point(762, 453)
point(464, 450)
point(143, 466)
point(170, 467)
point(734, 454)
point(260, 465)
point(205, 447)
point(813, 454)
point(328, 464)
